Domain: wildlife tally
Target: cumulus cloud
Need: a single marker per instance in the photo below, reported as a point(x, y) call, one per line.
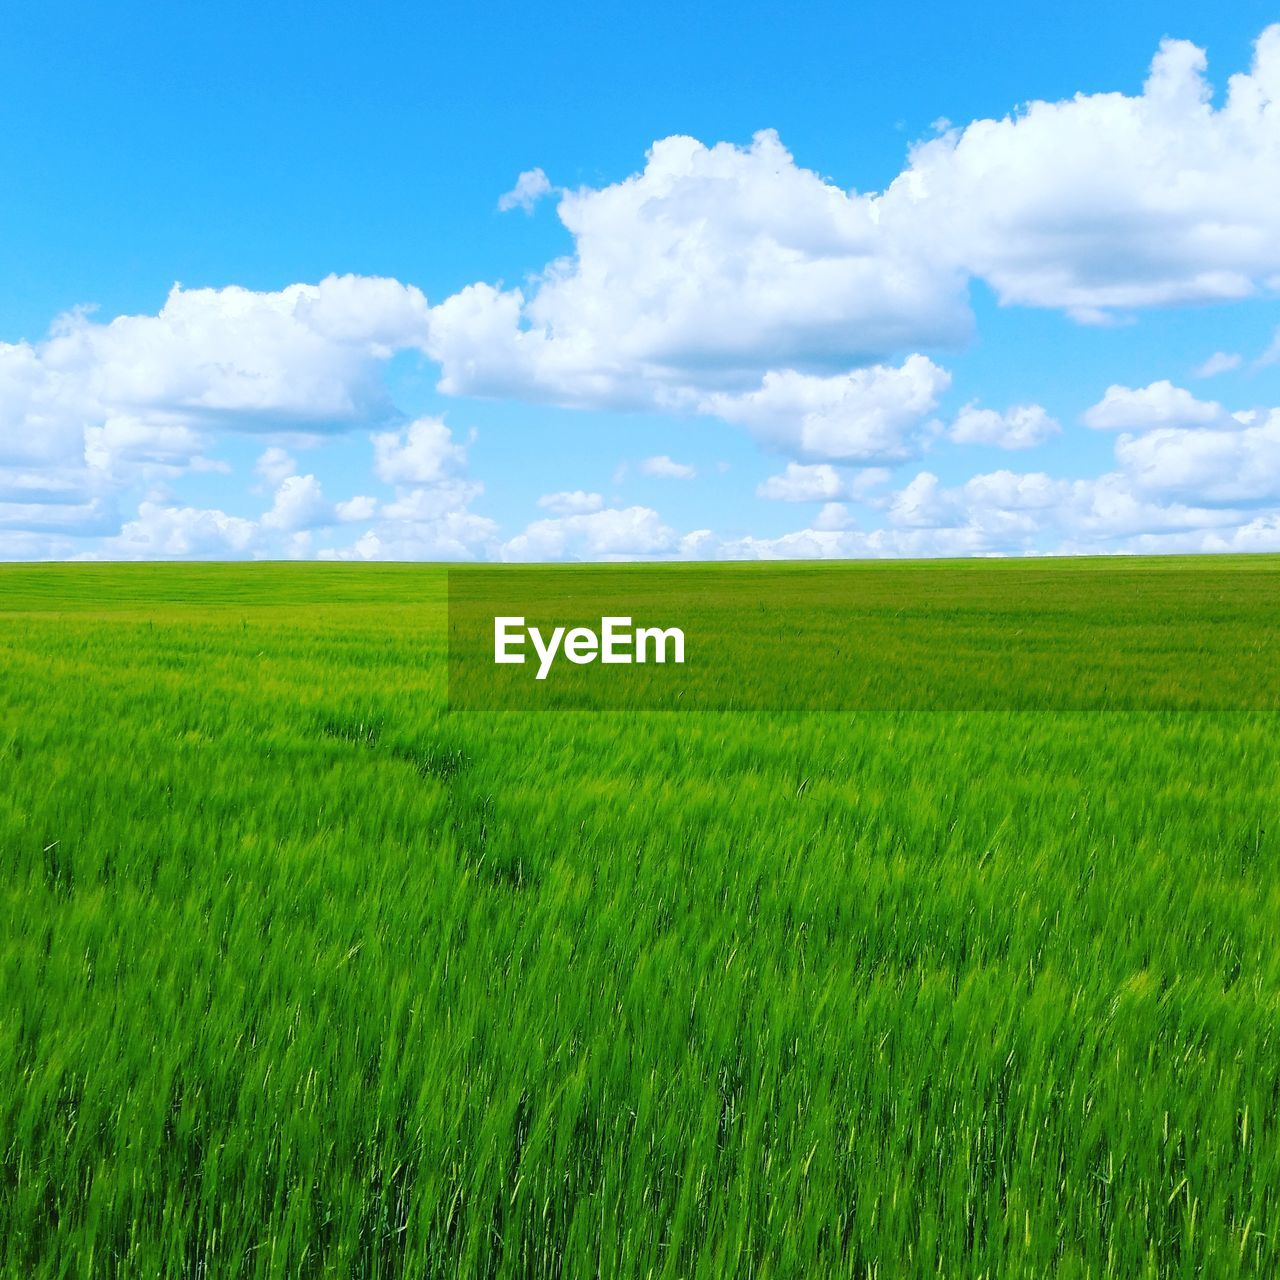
point(47, 486)
point(124, 447)
point(110, 405)
point(820, 482)
point(1207, 465)
point(30, 514)
point(834, 515)
point(716, 281)
point(1022, 427)
point(1005, 511)
point(995, 513)
point(1159, 405)
point(711, 267)
point(1107, 202)
point(353, 510)
point(868, 415)
point(32, 545)
point(305, 356)
point(849, 544)
point(299, 504)
point(667, 468)
point(165, 533)
point(571, 502)
point(302, 357)
point(715, 268)
point(630, 533)
point(423, 452)
point(275, 465)
point(531, 186)
point(1262, 533)
point(426, 503)
point(1173, 487)
point(429, 518)
point(450, 535)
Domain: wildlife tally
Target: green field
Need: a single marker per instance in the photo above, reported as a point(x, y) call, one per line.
point(303, 975)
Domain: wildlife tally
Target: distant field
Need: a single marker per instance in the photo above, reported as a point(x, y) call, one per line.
point(303, 975)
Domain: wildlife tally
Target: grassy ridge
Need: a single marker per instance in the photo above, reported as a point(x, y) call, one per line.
point(301, 975)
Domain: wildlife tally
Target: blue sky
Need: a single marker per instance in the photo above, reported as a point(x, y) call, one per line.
point(792, 336)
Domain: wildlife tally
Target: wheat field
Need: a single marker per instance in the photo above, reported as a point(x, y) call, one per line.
point(302, 974)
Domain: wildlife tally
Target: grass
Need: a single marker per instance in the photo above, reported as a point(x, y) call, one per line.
point(301, 975)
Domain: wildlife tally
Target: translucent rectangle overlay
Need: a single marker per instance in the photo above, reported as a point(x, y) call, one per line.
point(979, 635)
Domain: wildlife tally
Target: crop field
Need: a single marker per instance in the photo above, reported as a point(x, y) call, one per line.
point(303, 974)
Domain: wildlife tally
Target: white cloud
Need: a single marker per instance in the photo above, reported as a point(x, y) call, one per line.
point(867, 415)
point(820, 482)
point(453, 535)
point(430, 517)
point(724, 281)
point(1205, 465)
point(105, 407)
point(78, 519)
point(531, 186)
point(305, 356)
point(1219, 362)
point(716, 268)
point(995, 513)
point(851, 544)
point(182, 532)
point(1159, 405)
point(40, 485)
point(1256, 535)
point(36, 546)
point(1015, 491)
point(421, 453)
point(834, 515)
point(628, 533)
point(275, 465)
point(667, 468)
point(429, 503)
point(357, 509)
point(711, 267)
point(1007, 512)
point(299, 504)
point(124, 447)
point(1021, 427)
point(867, 479)
point(571, 502)
point(1106, 201)
point(922, 503)
point(43, 407)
